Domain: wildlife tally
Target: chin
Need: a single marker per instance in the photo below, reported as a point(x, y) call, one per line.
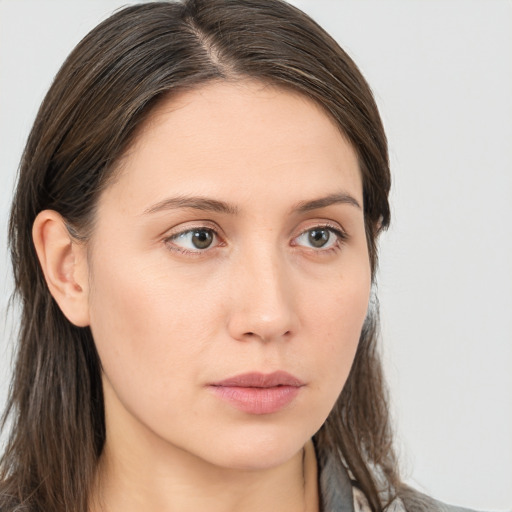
point(257, 461)
point(253, 450)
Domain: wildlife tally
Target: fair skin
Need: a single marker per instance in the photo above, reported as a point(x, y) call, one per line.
point(231, 242)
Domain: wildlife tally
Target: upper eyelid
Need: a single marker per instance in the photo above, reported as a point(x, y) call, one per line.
point(190, 230)
point(333, 226)
point(185, 227)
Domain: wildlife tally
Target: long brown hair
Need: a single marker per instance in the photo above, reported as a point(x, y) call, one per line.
point(104, 91)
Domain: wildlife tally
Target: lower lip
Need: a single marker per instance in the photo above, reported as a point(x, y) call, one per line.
point(257, 400)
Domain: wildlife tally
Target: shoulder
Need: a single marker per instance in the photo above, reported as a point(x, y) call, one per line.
point(415, 501)
point(407, 500)
point(340, 493)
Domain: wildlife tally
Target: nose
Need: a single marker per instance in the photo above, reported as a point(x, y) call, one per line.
point(262, 303)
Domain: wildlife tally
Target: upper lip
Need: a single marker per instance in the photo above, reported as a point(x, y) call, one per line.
point(260, 380)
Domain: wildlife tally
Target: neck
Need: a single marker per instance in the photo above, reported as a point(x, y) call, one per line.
point(126, 484)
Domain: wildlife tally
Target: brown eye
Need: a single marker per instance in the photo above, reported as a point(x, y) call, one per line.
point(318, 237)
point(202, 238)
point(193, 239)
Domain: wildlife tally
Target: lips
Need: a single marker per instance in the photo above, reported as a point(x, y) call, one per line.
point(258, 393)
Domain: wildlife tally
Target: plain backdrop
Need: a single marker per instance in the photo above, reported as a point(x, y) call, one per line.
point(441, 72)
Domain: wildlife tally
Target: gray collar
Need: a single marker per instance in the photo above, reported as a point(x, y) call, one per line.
point(335, 486)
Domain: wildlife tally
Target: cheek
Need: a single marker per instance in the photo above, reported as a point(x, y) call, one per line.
point(147, 328)
point(336, 316)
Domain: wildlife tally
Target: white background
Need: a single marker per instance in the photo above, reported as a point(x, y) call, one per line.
point(442, 75)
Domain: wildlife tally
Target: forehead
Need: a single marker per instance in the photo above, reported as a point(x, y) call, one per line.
point(238, 140)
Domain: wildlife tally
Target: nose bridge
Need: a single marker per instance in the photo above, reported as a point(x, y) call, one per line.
point(262, 303)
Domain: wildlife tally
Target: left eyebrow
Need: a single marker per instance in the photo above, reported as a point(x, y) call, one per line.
point(323, 202)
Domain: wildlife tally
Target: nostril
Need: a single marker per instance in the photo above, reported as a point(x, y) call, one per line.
point(251, 334)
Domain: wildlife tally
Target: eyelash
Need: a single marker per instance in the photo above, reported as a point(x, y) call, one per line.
point(341, 237)
point(191, 252)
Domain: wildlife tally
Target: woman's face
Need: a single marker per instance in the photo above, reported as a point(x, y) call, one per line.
point(229, 276)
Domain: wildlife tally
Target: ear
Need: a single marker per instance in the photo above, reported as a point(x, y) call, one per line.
point(64, 264)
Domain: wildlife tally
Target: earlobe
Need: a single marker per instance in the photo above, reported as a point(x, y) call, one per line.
point(64, 264)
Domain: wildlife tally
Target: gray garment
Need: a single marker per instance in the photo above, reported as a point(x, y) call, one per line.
point(337, 494)
point(335, 487)
point(415, 501)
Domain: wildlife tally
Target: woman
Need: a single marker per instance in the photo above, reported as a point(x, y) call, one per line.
point(194, 242)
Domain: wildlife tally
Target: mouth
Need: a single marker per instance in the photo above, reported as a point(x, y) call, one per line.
point(258, 393)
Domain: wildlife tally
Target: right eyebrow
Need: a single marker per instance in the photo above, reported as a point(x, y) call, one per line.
point(194, 202)
point(323, 202)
